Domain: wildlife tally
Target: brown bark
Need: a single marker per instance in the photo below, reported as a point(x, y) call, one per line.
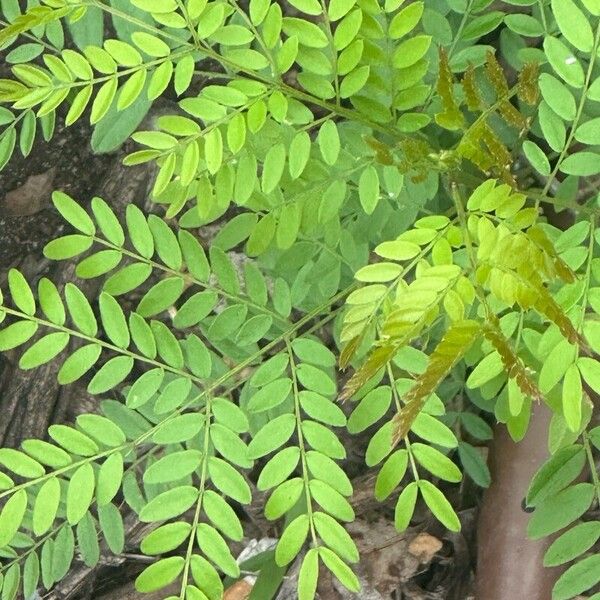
point(509, 565)
point(30, 401)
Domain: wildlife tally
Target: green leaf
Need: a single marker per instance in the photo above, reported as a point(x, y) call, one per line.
point(525, 25)
point(198, 357)
point(67, 246)
point(165, 538)
point(488, 368)
point(165, 243)
point(299, 153)
point(80, 493)
point(31, 575)
point(73, 213)
point(347, 29)
point(439, 505)
point(580, 577)
point(46, 453)
point(20, 463)
point(79, 363)
point(572, 398)
point(433, 430)
point(207, 578)
point(87, 540)
point(567, 67)
point(323, 440)
point(273, 435)
point(215, 549)
point(11, 516)
point(228, 480)
point(110, 374)
point(308, 576)
point(111, 524)
point(340, 569)
point(406, 20)
point(270, 396)
point(46, 506)
point(80, 310)
point(370, 409)
point(144, 388)
point(557, 473)
point(316, 380)
point(273, 168)
point(167, 345)
point(179, 429)
point(227, 322)
point(283, 498)
point(572, 543)
point(313, 352)
point(16, 334)
point(101, 429)
point(309, 34)
point(230, 446)
point(161, 296)
point(89, 29)
point(292, 540)
point(410, 51)
point(368, 189)
point(560, 510)
point(108, 222)
point(391, 474)
point(278, 468)
point(224, 270)
point(474, 464)
point(139, 231)
point(194, 256)
point(331, 500)
point(110, 477)
point(557, 96)
point(213, 150)
point(482, 25)
point(72, 440)
point(435, 462)
point(321, 409)
point(535, 155)
point(63, 552)
point(159, 574)
point(21, 292)
point(127, 279)
point(173, 467)
point(380, 445)
point(113, 320)
point(103, 99)
point(98, 264)
point(580, 163)
point(169, 504)
point(329, 142)
point(50, 301)
point(44, 350)
point(573, 24)
point(309, 7)
point(222, 515)
point(336, 537)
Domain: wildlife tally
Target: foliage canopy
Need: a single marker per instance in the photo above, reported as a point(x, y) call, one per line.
point(378, 174)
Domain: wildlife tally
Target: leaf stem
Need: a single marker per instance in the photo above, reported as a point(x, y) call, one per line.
point(298, 415)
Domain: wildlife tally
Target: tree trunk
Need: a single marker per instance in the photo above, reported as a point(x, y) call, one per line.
point(509, 565)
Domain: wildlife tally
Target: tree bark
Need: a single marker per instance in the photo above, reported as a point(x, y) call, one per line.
point(509, 564)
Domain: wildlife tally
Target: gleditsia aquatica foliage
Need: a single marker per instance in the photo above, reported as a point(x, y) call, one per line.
point(378, 176)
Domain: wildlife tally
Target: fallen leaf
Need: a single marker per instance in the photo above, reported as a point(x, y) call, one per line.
point(424, 547)
point(240, 590)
